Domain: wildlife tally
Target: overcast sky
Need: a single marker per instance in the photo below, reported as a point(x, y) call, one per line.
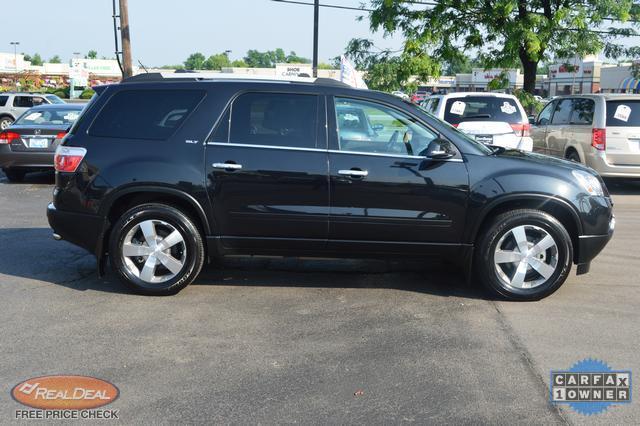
point(166, 32)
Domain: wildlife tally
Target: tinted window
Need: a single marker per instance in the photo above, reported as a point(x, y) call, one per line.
point(145, 114)
point(23, 101)
point(562, 112)
point(482, 108)
point(545, 115)
point(221, 132)
point(275, 119)
point(54, 99)
point(49, 117)
point(370, 127)
point(623, 113)
point(3, 100)
point(582, 111)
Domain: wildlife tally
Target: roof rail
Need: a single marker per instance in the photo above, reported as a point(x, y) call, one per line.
point(218, 76)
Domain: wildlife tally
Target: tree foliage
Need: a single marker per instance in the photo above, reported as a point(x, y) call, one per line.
point(507, 33)
point(55, 59)
point(195, 61)
point(216, 62)
point(269, 58)
point(92, 54)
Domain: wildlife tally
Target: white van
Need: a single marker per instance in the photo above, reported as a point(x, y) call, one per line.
point(599, 130)
point(491, 118)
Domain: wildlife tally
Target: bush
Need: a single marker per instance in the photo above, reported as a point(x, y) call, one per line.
point(87, 93)
point(529, 103)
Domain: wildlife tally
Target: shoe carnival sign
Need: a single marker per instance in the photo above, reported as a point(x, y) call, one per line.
point(65, 393)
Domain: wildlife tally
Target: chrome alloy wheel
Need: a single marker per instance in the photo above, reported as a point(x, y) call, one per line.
point(525, 257)
point(154, 251)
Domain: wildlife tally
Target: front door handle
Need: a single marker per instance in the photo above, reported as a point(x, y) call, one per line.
point(353, 173)
point(227, 166)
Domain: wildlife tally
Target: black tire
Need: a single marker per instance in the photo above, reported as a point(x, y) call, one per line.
point(573, 156)
point(5, 122)
point(193, 254)
point(14, 175)
point(537, 222)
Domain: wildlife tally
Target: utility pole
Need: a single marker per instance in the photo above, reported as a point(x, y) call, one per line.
point(316, 12)
point(127, 65)
point(15, 60)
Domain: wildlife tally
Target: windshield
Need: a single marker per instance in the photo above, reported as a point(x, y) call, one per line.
point(49, 117)
point(482, 108)
point(54, 99)
point(623, 113)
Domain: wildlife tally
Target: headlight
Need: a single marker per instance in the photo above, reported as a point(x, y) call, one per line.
point(589, 182)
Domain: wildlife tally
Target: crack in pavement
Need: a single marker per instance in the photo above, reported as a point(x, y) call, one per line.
point(527, 360)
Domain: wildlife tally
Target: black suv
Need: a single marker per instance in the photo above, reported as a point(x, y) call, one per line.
point(164, 172)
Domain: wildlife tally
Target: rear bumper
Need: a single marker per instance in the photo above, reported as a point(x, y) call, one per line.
point(80, 229)
point(598, 162)
point(589, 246)
point(38, 160)
point(512, 141)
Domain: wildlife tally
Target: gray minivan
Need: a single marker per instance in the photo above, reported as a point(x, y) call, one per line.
point(599, 130)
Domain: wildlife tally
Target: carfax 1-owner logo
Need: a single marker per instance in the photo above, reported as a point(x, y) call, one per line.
point(590, 387)
point(65, 397)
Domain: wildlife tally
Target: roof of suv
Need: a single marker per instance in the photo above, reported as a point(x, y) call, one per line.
point(607, 96)
point(485, 94)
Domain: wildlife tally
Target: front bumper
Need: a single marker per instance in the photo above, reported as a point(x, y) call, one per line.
point(38, 160)
point(589, 246)
point(82, 230)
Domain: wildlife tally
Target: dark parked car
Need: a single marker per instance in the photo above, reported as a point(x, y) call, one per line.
point(163, 172)
point(29, 144)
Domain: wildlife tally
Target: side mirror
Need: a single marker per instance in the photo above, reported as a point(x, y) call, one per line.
point(532, 119)
point(439, 149)
point(378, 127)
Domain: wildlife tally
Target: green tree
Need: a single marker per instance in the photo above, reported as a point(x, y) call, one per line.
point(292, 58)
point(55, 59)
point(195, 61)
point(257, 59)
point(239, 63)
point(507, 32)
point(92, 54)
point(27, 57)
point(36, 59)
point(216, 62)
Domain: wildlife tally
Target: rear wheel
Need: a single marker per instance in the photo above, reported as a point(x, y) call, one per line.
point(14, 175)
point(156, 249)
point(524, 255)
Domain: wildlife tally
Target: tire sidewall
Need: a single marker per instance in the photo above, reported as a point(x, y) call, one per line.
point(500, 228)
point(177, 220)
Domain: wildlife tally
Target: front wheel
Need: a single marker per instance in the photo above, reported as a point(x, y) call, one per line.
point(524, 255)
point(156, 249)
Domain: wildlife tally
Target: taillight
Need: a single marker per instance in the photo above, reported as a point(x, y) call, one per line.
point(521, 129)
point(68, 158)
point(599, 139)
point(455, 125)
point(61, 135)
point(7, 137)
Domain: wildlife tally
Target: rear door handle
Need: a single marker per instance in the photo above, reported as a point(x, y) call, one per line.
point(353, 173)
point(227, 166)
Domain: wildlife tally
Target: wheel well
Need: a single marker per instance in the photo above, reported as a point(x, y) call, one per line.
point(569, 151)
point(128, 201)
point(7, 115)
point(555, 208)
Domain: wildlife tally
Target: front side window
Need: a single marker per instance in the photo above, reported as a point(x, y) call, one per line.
point(545, 115)
point(582, 111)
point(274, 119)
point(145, 114)
point(373, 128)
point(54, 99)
point(562, 113)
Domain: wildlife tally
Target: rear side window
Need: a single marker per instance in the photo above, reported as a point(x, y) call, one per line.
point(145, 114)
point(582, 111)
point(562, 113)
point(482, 108)
point(623, 113)
point(3, 100)
point(275, 119)
point(23, 101)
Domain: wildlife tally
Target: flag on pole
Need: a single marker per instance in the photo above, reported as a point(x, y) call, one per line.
point(349, 75)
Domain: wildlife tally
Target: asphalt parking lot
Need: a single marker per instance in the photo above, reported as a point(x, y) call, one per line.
point(305, 341)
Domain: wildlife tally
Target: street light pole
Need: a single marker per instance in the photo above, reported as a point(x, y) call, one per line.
point(15, 61)
point(126, 39)
point(316, 12)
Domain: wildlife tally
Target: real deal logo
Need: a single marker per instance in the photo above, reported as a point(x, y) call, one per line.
point(65, 393)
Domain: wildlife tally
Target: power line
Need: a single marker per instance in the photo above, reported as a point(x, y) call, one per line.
point(335, 6)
